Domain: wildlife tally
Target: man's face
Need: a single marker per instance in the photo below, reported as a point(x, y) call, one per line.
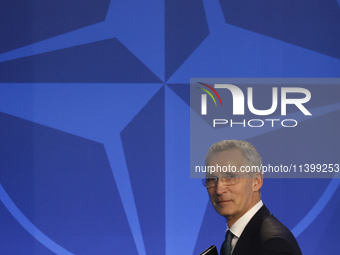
point(233, 201)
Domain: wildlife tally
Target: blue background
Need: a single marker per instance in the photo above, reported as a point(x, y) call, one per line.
point(94, 117)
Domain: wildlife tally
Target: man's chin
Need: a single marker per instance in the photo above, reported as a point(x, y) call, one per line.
point(223, 211)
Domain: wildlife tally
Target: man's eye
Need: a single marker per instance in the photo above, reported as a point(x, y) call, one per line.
point(210, 180)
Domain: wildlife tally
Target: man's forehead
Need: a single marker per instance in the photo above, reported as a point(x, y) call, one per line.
point(217, 175)
point(221, 174)
point(225, 163)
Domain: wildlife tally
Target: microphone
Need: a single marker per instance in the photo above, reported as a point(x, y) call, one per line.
point(210, 251)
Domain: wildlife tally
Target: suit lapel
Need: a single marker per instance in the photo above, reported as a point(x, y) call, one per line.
point(249, 241)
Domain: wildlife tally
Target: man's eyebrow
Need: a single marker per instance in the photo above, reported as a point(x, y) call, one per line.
point(227, 175)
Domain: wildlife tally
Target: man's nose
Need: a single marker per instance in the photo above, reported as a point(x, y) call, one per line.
point(220, 187)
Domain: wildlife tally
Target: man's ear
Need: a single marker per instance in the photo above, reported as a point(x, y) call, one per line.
point(257, 181)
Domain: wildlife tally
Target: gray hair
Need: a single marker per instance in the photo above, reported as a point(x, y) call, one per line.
point(249, 152)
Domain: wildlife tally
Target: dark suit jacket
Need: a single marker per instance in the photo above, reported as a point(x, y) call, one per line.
point(266, 235)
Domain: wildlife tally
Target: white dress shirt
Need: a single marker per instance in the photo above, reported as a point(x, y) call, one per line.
point(238, 227)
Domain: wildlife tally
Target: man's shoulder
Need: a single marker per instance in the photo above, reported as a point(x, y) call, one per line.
point(268, 225)
point(272, 227)
point(277, 237)
point(266, 235)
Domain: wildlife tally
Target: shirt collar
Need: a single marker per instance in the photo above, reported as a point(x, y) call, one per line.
point(238, 227)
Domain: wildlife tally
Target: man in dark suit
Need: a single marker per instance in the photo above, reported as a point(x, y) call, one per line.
point(233, 181)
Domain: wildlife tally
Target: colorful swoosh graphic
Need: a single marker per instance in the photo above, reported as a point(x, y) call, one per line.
point(208, 86)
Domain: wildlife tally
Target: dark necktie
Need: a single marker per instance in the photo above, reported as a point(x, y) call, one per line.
point(226, 246)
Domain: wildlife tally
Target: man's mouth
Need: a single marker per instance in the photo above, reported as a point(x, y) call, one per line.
point(223, 201)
